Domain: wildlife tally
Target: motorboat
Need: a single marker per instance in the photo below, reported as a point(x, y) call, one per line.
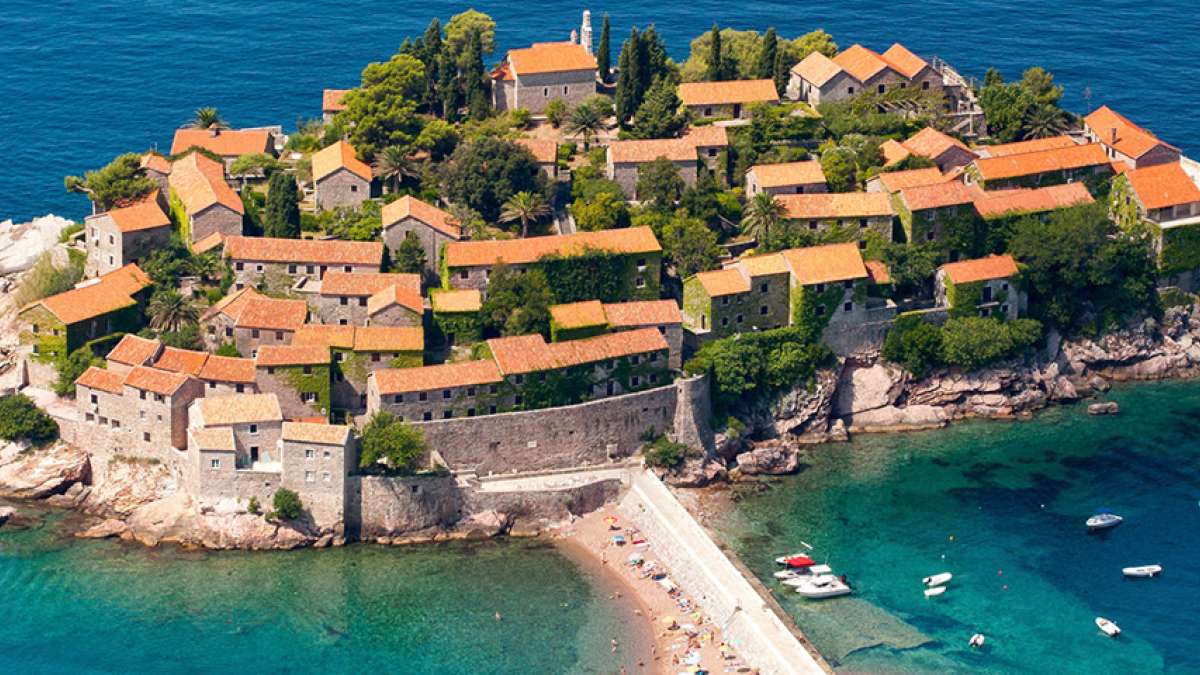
point(976, 640)
point(1103, 521)
point(1109, 628)
point(802, 579)
point(823, 586)
point(795, 560)
point(938, 579)
point(934, 591)
point(820, 569)
point(784, 575)
point(1142, 571)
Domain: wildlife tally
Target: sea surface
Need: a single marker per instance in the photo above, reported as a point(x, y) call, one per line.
point(1002, 506)
point(72, 606)
point(83, 81)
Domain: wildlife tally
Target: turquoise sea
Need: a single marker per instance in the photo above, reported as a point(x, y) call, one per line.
point(1002, 506)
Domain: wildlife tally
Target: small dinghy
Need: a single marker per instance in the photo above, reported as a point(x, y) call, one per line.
point(938, 579)
point(976, 640)
point(1103, 520)
point(1109, 628)
point(784, 575)
point(795, 560)
point(1142, 571)
point(935, 591)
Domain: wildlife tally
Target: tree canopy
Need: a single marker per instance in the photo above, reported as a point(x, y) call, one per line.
point(516, 304)
point(388, 441)
point(382, 111)
point(120, 182)
point(486, 172)
point(281, 217)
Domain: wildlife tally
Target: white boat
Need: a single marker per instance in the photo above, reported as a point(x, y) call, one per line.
point(1108, 627)
point(820, 569)
point(824, 586)
point(784, 575)
point(1103, 521)
point(808, 579)
point(934, 591)
point(1142, 571)
point(938, 579)
point(976, 640)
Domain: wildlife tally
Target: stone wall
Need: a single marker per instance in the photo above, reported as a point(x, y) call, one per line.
point(392, 505)
point(431, 240)
point(535, 91)
point(216, 218)
point(341, 189)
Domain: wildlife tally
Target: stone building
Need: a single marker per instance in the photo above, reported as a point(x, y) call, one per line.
point(1165, 198)
point(790, 178)
point(818, 79)
point(532, 77)
point(892, 182)
point(925, 210)
point(980, 287)
point(455, 317)
point(147, 407)
point(1011, 204)
point(625, 158)
point(228, 144)
point(361, 350)
point(346, 299)
point(942, 149)
point(124, 236)
point(545, 151)
point(316, 459)
point(299, 376)
point(749, 295)
point(726, 99)
point(1088, 163)
point(1126, 142)
point(848, 212)
point(340, 179)
point(250, 320)
point(433, 227)
point(203, 204)
point(710, 142)
point(157, 168)
point(332, 103)
point(279, 264)
point(132, 351)
point(233, 444)
point(592, 317)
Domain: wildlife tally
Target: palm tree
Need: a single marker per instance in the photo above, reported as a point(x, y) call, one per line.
point(170, 311)
point(206, 118)
point(585, 121)
point(1045, 121)
point(762, 214)
point(526, 208)
point(392, 165)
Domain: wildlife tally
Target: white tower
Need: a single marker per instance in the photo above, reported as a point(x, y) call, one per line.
point(585, 31)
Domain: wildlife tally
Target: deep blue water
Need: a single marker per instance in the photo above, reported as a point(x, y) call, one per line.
point(81, 82)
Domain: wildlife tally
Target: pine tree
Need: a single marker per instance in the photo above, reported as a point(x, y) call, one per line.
point(603, 57)
point(654, 60)
point(628, 77)
point(431, 44)
point(716, 71)
point(765, 68)
point(281, 217)
point(659, 116)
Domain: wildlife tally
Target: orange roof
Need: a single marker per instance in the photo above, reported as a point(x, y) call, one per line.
point(104, 380)
point(133, 350)
point(1045, 161)
point(324, 335)
point(389, 339)
point(96, 297)
point(981, 269)
point(790, 173)
point(238, 409)
point(310, 432)
point(931, 143)
point(231, 305)
point(762, 265)
point(836, 205)
point(323, 252)
point(544, 150)
point(503, 72)
point(903, 61)
point(144, 215)
point(1037, 200)
point(893, 151)
point(225, 142)
point(292, 355)
point(408, 206)
point(155, 162)
point(726, 281)
point(1020, 147)
point(398, 294)
point(550, 57)
point(826, 264)
point(336, 157)
point(1131, 140)
point(179, 360)
point(228, 369)
point(524, 251)
point(426, 378)
point(331, 100)
point(1163, 185)
point(199, 182)
point(877, 272)
point(817, 69)
point(708, 136)
point(465, 300)
point(894, 181)
point(938, 195)
point(860, 62)
point(272, 314)
point(648, 150)
point(728, 92)
point(642, 313)
point(530, 353)
point(154, 380)
point(579, 314)
point(208, 243)
point(367, 283)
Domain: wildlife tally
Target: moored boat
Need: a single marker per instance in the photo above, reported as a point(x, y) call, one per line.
point(934, 591)
point(938, 579)
point(1108, 627)
point(1142, 571)
point(822, 586)
point(976, 640)
point(1103, 520)
point(795, 560)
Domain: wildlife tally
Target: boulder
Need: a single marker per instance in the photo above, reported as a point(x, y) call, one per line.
point(1105, 408)
point(21, 244)
point(694, 472)
point(108, 528)
point(124, 483)
point(482, 525)
point(892, 418)
point(6, 513)
point(1098, 383)
point(771, 457)
point(40, 472)
point(862, 388)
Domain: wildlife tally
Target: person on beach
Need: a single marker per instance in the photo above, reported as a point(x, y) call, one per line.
point(613, 642)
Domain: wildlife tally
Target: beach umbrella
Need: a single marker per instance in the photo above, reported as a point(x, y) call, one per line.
point(611, 521)
point(669, 622)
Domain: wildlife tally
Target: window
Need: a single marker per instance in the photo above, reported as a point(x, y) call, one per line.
point(470, 412)
point(291, 269)
point(463, 274)
point(146, 436)
point(929, 236)
point(546, 92)
point(399, 398)
point(338, 357)
point(343, 300)
point(725, 300)
point(492, 410)
point(635, 359)
point(493, 389)
point(1004, 309)
point(142, 394)
point(739, 318)
point(881, 88)
point(641, 264)
point(270, 370)
point(849, 90)
point(343, 322)
point(254, 333)
point(724, 321)
point(422, 396)
point(214, 464)
point(447, 414)
point(640, 282)
point(375, 356)
point(278, 335)
point(520, 379)
point(848, 284)
point(708, 112)
point(347, 268)
point(635, 380)
point(653, 378)
point(517, 400)
point(258, 267)
point(228, 332)
point(862, 244)
point(310, 476)
point(565, 90)
point(362, 302)
point(1004, 286)
point(764, 287)
point(308, 397)
point(309, 269)
point(327, 454)
point(653, 357)
point(239, 266)
point(712, 152)
point(862, 223)
point(326, 476)
point(94, 399)
point(470, 391)
point(445, 393)
point(308, 370)
point(427, 416)
point(925, 84)
point(820, 288)
point(354, 188)
point(904, 85)
point(819, 310)
point(812, 224)
point(762, 311)
point(309, 453)
point(849, 306)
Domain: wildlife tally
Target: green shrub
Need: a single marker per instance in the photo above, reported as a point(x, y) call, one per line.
point(253, 506)
point(973, 342)
point(45, 279)
point(914, 344)
point(387, 440)
point(751, 364)
point(71, 367)
point(520, 118)
point(228, 349)
point(69, 231)
point(664, 454)
point(287, 504)
point(556, 112)
point(21, 418)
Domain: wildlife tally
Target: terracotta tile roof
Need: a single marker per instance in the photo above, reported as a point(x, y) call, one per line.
point(154, 380)
point(579, 314)
point(728, 92)
point(199, 182)
point(465, 300)
point(338, 156)
point(893, 151)
point(220, 439)
point(209, 243)
point(292, 355)
point(155, 162)
point(642, 313)
point(726, 281)
point(708, 136)
point(826, 264)
point(763, 265)
point(903, 61)
point(1163, 185)
point(337, 282)
point(331, 100)
point(238, 409)
point(503, 72)
point(877, 272)
point(1020, 147)
point(324, 335)
point(790, 173)
point(321, 434)
point(226, 142)
point(1045, 161)
point(397, 294)
point(389, 339)
point(1009, 202)
point(931, 143)
point(550, 57)
point(1131, 140)
point(894, 181)
point(523, 251)
point(939, 195)
point(272, 314)
point(425, 212)
point(316, 251)
point(544, 150)
point(817, 69)
point(637, 152)
point(181, 360)
point(231, 305)
point(530, 353)
point(836, 205)
point(104, 380)
point(133, 350)
point(980, 269)
point(144, 215)
point(98, 297)
point(427, 378)
point(860, 62)
point(228, 369)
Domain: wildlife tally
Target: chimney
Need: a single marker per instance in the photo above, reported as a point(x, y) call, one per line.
point(1114, 135)
point(214, 130)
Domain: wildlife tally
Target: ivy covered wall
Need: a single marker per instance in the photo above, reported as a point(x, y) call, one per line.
point(465, 327)
point(317, 381)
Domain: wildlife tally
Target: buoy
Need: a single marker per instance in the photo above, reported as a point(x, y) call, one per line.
point(1005, 587)
point(951, 537)
point(999, 573)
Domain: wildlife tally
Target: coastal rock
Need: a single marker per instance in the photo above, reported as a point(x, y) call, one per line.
point(37, 473)
point(771, 458)
point(21, 244)
point(892, 418)
point(109, 528)
point(1098, 383)
point(1062, 390)
point(797, 411)
point(482, 525)
point(694, 472)
point(863, 388)
point(1105, 408)
point(126, 483)
point(178, 519)
point(6, 513)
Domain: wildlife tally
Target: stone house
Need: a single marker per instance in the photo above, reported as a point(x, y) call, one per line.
point(131, 351)
point(228, 144)
point(545, 151)
point(456, 317)
point(727, 99)
point(532, 77)
point(1022, 147)
point(316, 459)
point(1126, 142)
point(1001, 204)
point(124, 236)
point(1088, 163)
point(980, 287)
point(942, 149)
point(925, 210)
point(220, 375)
point(147, 407)
point(360, 350)
point(849, 212)
point(710, 142)
point(818, 79)
point(279, 264)
point(790, 178)
point(831, 284)
point(591, 317)
point(234, 447)
point(433, 227)
point(1166, 199)
point(202, 203)
point(345, 299)
point(299, 376)
point(467, 263)
point(463, 389)
point(750, 294)
point(250, 320)
point(157, 168)
point(340, 179)
point(625, 159)
point(332, 103)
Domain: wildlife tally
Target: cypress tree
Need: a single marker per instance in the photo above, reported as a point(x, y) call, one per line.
point(448, 87)
point(654, 60)
point(715, 71)
point(432, 44)
point(782, 73)
point(281, 217)
point(765, 68)
point(628, 77)
point(603, 57)
point(473, 90)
